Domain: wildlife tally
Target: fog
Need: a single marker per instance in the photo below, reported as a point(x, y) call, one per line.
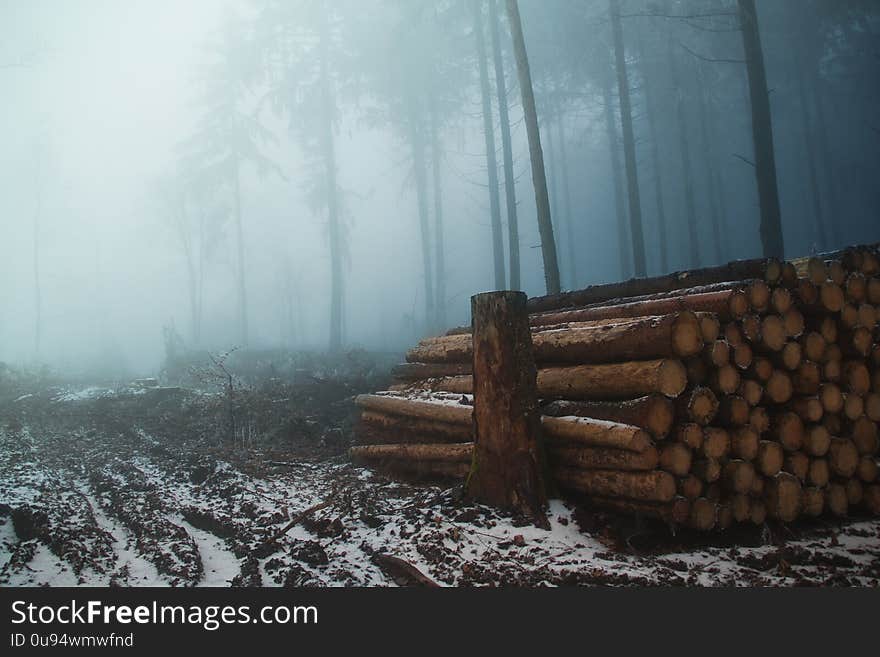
point(127, 128)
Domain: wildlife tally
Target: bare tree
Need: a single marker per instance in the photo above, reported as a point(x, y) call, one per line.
point(629, 146)
point(762, 132)
point(504, 119)
point(539, 178)
point(489, 135)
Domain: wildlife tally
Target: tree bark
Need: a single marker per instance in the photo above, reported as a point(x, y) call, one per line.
point(654, 486)
point(738, 270)
point(539, 179)
point(381, 428)
point(489, 136)
point(589, 432)
point(596, 458)
point(636, 339)
point(453, 453)
point(762, 132)
point(653, 413)
point(509, 462)
point(613, 381)
point(718, 303)
point(629, 147)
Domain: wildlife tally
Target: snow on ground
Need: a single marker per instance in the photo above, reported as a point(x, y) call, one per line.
point(87, 499)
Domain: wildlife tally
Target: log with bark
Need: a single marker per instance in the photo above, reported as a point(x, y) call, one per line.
point(644, 338)
point(653, 413)
point(769, 270)
point(653, 486)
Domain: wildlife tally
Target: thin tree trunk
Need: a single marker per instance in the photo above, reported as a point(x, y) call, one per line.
point(489, 134)
point(651, 108)
point(687, 173)
point(629, 147)
point(710, 165)
point(717, 181)
point(624, 252)
point(439, 255)
point(509, 180)
point(762, 133)
point(815, 194)
point(552, 178)
point(200, 289)
point(416, 138)
point(536, 156)
point(242, 288)
point(334, 229)
point(566, 201)
point(191, 277)
point(828, 164)
point(38, 299)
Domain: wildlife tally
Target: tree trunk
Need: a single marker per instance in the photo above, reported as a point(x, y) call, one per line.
point(509, 463)
point(439, 244)
point(191, 278)
point(417, 142)
point(685, 151)
point(566, 202)
point(539, 178)
point(242, 288)
point(809, 145)
point(623, 248)
point(38, 299)
point(509, 179)
point(762, 132)
point(552, 178)
point(709, 161)
point(329, 153)
point(200, 288)
point(629, 146)
point(489, 135)
point(651, 110)
point(827, 161)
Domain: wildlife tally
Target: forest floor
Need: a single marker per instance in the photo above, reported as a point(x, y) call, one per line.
point(131, 486)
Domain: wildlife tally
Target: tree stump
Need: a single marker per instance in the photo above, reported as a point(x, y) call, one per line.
point(508, 469)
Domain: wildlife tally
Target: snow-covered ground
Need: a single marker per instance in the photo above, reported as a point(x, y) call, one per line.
point(86, 499)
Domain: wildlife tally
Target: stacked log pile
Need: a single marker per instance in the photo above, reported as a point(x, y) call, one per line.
point(727, 394)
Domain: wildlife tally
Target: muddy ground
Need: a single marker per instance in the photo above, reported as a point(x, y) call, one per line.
point(143, 485)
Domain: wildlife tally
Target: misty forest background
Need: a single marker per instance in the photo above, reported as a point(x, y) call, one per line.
point(313, 175)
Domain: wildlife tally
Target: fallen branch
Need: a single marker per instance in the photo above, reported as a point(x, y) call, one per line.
point(298, 518)
point(399, 569)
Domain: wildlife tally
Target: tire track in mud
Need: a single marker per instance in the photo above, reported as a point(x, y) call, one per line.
point(126, 495)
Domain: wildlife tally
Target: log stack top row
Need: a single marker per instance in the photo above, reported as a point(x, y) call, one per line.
point(728, 394)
